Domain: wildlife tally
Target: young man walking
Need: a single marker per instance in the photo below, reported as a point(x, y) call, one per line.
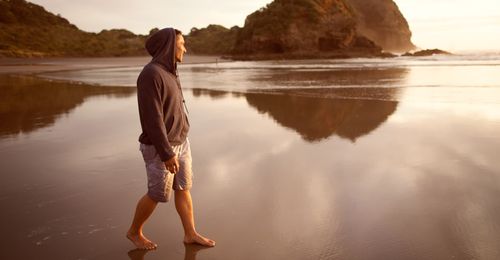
point(163, 141)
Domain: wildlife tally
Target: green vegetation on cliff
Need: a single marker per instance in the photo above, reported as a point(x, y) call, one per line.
point(28, 30)
point(214, 39)
point(277, 16)
point(303, 29)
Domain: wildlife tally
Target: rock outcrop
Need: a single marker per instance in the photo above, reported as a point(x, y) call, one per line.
point(382, 22)
point(428, 52)
point(303, 29)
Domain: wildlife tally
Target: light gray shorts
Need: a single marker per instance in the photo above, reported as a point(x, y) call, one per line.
point(160, 180)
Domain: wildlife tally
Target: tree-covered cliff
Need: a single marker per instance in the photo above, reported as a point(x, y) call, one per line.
point(27, 29)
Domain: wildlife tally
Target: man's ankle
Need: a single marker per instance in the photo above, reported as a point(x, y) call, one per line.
point(133, 232)
point(191, 234)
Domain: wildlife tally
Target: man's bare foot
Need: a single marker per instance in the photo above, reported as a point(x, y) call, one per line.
point(141, 242)
point(199, 239)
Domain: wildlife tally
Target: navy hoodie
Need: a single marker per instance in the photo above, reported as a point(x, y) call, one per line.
point(164, 122)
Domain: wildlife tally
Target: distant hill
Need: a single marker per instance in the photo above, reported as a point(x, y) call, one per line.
point(28, 30)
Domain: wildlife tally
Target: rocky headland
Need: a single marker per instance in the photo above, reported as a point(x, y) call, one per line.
point(319, 29)
point(283, 29)
point(382, 22)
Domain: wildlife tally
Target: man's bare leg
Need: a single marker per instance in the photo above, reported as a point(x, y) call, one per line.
point(144, 209)
point(184, 206)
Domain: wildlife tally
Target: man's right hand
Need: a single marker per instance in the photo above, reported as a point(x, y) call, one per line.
point(172, 164)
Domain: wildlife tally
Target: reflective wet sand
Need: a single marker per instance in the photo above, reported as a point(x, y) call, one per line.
point(390, 169)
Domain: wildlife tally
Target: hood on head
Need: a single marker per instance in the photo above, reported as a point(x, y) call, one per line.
point(161, 46)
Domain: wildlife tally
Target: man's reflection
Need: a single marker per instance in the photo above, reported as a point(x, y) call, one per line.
point(189, 253)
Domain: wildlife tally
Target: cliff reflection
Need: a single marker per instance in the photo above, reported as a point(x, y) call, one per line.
point(319, 114)
point(316, 118)
point(318, 102)
point(29, 103)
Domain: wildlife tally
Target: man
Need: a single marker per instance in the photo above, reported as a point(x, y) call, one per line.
point(163, 141)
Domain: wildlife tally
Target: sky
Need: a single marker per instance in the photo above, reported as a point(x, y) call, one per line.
point(453, 25)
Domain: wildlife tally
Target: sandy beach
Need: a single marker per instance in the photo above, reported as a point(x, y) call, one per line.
point(325, 159)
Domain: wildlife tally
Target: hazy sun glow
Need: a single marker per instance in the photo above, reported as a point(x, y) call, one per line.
point(453, 24)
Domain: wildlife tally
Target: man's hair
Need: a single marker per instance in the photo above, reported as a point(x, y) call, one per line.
point(177, 32)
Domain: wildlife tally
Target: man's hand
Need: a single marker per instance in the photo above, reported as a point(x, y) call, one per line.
point(172, 164)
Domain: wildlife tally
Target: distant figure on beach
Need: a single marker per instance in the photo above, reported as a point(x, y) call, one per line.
point(163, 141)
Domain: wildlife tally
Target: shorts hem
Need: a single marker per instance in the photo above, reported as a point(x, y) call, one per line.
point(187, 187)
point(156, 198)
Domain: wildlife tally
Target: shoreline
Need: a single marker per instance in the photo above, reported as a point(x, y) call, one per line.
point(60, 64)
point(32, 66)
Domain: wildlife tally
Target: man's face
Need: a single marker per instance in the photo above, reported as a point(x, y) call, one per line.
point(180, 49)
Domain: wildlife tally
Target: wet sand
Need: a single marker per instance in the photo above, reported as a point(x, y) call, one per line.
point(372, 172)
point(40, 65)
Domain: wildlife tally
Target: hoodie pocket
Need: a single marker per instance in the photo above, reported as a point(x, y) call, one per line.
point(170, 124)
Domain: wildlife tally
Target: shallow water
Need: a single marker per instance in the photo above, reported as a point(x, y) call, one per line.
point(353, 159)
